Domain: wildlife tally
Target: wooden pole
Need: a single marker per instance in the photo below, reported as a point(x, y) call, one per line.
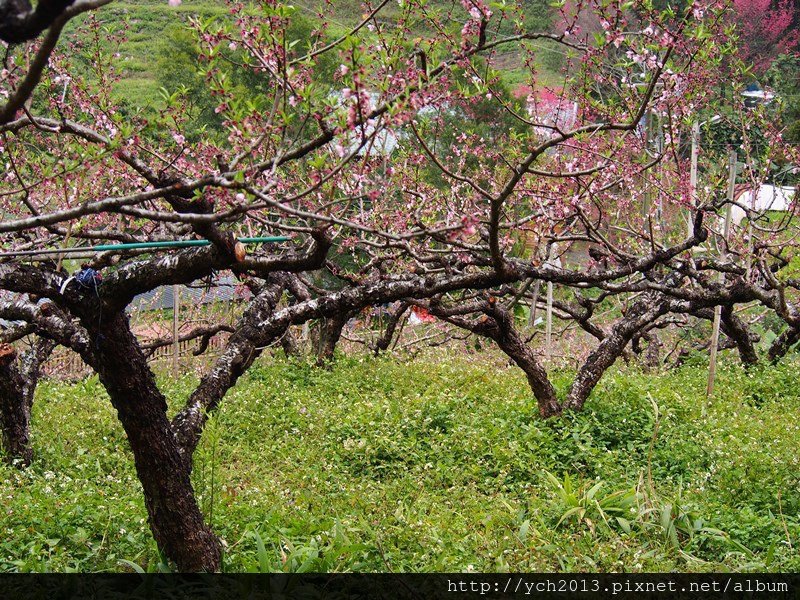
point(712, 361)
point(176, 292)
point(712, 364)
point(549, 331)
point(693, 178)
point(750, 232)
point(643, 175)
point(548, 336)
point(659, 149)
point(532, 314)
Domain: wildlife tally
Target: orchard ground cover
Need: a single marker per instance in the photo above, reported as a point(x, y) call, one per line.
point(420, 464)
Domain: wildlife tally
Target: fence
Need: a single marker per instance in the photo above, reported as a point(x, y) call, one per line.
point(66, 364)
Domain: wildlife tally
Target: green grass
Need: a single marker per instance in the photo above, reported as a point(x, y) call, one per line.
point(432, 465)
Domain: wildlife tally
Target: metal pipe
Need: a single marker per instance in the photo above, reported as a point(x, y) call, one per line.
point(139, 246)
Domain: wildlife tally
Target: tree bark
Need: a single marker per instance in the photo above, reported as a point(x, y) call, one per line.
point(738, 335)
point(14, 411)
point(330, 332)
point(610, 349)
point(781, 345)
point(175, 518)
point(518, 351)
point(18, 380)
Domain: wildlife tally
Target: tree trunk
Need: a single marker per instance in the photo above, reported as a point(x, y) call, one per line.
point(781, 345)
point(737, 333)
point(395, 317)
point(289, 343)
point(240, 352)
point(650, 355)
point(737, 330)
point(330, 332)
point(497, 324)
point(175, 518)
point(511, 343)
point(18, 380)
point(15, 413)
point(610, 349)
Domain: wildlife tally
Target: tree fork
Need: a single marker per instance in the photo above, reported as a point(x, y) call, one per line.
point(497, 324)
point(640, 314)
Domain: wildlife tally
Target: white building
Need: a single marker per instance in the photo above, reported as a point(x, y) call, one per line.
point(764, 199)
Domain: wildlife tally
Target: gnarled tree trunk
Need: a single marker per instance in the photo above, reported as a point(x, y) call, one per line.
point(14, 412)
point(330, 332)
point(497, 324)
point(243, 347)
point(737, 330)
point(500, 328)
point(18, 379)
point(639, 315)
point(650, 355)
point(174, 516)
point(737, 333)
point(781, 345)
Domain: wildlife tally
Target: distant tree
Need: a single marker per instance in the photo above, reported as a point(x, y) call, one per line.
point(765, 30)
point(784, 76)
point(178, 76)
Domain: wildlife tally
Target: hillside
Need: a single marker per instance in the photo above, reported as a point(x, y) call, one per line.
point(152, 25)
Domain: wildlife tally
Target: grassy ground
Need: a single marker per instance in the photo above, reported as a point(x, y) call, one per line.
point(432, 465)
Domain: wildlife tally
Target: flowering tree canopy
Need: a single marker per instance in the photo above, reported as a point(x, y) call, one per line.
point(765, 30)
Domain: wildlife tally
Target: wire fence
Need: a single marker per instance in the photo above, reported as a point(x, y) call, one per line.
point(64, 364)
